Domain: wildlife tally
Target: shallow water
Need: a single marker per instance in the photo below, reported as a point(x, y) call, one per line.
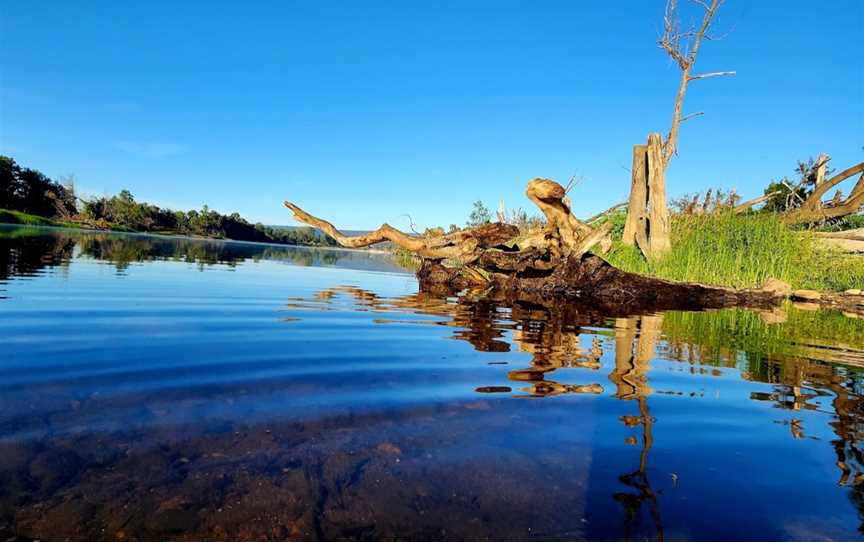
point(171, 389)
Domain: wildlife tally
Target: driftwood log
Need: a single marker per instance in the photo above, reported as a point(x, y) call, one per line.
point(815, 210)
point(554, 262)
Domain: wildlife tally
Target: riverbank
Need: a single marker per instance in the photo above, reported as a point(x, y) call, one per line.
point(8, 216)
point(18, 218)
point(742, 251)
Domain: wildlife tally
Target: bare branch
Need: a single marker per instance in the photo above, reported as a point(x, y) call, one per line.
point(701, 3)
point(692, 115)
point(610, 210)
point(411, 223)
point(463, 246)
point(710, 74)
point(755, 201)
point(670, 41)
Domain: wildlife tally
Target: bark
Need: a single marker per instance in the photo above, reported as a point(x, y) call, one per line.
point(638, 194)
point(658, 213)
point(648, 223)
point(821, 168)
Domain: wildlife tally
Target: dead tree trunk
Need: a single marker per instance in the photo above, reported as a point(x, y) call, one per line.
point(658, 212)
point(553, 262)
point(648, 215)
point(650, 229)
point(636, 209)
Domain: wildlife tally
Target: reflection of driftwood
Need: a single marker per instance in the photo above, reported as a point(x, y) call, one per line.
point(550, 262)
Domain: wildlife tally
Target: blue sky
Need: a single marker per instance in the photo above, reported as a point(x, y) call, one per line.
point(364, 111)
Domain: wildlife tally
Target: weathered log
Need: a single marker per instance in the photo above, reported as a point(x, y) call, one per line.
point(851, 241)
point(560, 222)
point(856, 234)
point(553, 262)
point(463, 246)
point(590, 278)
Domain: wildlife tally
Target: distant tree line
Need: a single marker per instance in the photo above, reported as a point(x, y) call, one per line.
point(29, 191)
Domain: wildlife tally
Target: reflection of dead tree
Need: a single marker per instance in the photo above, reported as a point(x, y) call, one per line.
point(630, 378)
point(647, 223)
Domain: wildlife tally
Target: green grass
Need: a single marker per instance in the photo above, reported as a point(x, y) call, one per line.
point(744, 251)
point(406, 259)
point(17, 217)
point(8, 216)
point(731, 330)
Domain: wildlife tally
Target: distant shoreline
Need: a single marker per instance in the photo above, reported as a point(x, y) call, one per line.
point(164, 235)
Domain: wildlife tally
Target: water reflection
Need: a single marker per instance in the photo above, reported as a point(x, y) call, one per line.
point(267, 411)
point(814, 357)
point(27, 251)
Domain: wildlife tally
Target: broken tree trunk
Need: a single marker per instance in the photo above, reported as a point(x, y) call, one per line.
point(821, 168)
point(658, 213)
point(636, 209)
point(552, 262)
point(647, 223)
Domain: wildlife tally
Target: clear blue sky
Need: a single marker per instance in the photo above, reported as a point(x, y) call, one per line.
point(364, 111)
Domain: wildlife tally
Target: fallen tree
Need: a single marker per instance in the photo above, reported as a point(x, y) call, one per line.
point(552, 262)
point(813, 209)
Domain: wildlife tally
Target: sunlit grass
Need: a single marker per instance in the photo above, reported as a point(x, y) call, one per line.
point(8, 216)
point(745, 330)
point(744, 251)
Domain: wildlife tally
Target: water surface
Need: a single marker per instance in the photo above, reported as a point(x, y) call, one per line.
point(176, 389)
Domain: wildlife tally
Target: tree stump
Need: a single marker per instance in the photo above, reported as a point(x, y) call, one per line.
point(647, 223)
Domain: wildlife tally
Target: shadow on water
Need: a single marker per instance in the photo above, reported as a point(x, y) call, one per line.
point(559, 422)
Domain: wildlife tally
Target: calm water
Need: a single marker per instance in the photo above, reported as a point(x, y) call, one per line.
point(159, 389)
